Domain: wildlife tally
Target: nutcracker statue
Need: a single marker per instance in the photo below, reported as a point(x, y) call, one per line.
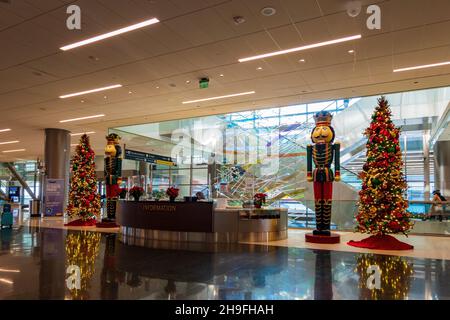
point(113, 170)
point(321, 153)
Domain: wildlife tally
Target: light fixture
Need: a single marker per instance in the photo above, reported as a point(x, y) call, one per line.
point(423, 66)
point(110, 34)
point(9, 270)
point(130, 92)
point(157, 87)
point(309, 46)
point(6, 281)
point(268, 11)
point(259, 68)
point(188, 81)
point(221, 75)
point(83, 118)
point(90, 91)
point(301, 60)
point(10, 142)
point(16, 150)
point(220, 97)
point(5, 130)
point(351, 51)
point(81, 133)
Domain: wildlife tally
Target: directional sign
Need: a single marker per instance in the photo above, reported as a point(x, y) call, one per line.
point(148, 157)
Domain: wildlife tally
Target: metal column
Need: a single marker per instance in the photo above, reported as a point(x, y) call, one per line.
point(442, 167)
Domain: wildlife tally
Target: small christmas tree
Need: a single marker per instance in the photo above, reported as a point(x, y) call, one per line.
point(84, 201)
point(382, 206)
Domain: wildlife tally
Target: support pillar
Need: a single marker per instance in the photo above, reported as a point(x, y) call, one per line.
point(442, 167)
point(57, 157)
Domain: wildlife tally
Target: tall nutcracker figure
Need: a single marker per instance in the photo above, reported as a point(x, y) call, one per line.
point(322, 153)
point(113, 171)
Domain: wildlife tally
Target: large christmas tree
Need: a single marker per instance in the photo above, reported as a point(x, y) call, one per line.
point(84, 200)
point(382, 206)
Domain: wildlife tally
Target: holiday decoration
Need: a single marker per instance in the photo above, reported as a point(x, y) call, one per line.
point(113, 170)
point(84, 201)
point(259, 199)
point(82, 249)
point(172, 192)
point(123, 193)
point(382, 206)
point(394, 277)
point(136, 192)
point(321, 153)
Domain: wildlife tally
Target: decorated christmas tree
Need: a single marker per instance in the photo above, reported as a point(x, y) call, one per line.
point(84, 201)
point(382, 206)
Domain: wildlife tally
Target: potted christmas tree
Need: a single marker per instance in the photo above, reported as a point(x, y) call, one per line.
point(382, 206)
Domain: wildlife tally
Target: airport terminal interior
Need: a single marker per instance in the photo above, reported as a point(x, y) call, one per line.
point(225, 149)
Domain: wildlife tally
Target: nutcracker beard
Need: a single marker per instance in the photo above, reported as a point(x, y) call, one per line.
point(323, 192)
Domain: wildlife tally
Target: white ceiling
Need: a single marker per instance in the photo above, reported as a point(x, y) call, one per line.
point(198, 38)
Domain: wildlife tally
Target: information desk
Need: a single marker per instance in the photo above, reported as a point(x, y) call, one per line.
point(146, 221)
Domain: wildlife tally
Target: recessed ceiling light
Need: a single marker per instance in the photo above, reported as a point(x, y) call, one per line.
point(187, 81)
point(221, 75)
point(5, 130)
point(157, 87)
point(309, 46)
point(10, 142)
point(268, 11)
point(110, 34)
point(81, 133)
point(105, 97)
point(301, 60)
point(259, 68)
point(130, 92)
point(220, 97)
point(90, 91)
point(82, 101)
point(351, 51)
point(423, 66)
point(16, 150)
point(82, 118)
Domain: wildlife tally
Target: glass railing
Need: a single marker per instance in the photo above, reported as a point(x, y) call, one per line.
point(428, 217)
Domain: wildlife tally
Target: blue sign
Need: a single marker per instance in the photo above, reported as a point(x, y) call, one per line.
point(54, 197)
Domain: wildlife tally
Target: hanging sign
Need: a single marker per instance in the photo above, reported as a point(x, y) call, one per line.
point(148, 157)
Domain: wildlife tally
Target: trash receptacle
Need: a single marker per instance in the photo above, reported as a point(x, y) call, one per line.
point(35, 208)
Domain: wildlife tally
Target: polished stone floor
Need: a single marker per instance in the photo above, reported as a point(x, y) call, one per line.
point(34, 262)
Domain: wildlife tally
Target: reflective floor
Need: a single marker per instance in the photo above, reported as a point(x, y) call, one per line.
point(34, 262)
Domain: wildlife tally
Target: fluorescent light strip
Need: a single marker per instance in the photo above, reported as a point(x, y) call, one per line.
point(423, 66)
point(220, 97)
point(81, 133)
point(6, 281)
point(309, 46)
point(17, 150)
point(10, 142)
point(110, 34)
point(10, 270)
point(90, 91)
point(82, 118)
point(5, 130)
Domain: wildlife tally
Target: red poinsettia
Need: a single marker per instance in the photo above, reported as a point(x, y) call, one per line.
point(260, 196)
point(172, 192)
point(136, 191)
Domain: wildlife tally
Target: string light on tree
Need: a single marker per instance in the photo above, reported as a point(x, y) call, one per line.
point(84, 200)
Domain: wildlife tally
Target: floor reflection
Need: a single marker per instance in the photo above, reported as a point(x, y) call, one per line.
point(34, 262)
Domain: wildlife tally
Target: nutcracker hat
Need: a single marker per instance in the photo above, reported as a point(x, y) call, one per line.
point(112, 137)
point(323, 118)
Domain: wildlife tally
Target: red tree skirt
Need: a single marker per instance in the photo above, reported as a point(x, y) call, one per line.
point(106, 224)
point(381, 242)
point(81, 223)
